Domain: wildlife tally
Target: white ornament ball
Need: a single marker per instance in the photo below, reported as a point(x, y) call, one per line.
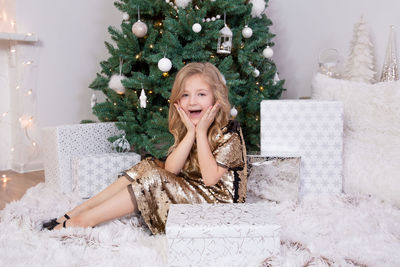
point(167, 1)
point(182, 3)
point(258, 8)
point(139, 29)
point(268, 52)
point(208, 19)
point(164, 64)
point(234, 112)
point(218, 17)
point(196, 27)
point(115, 83)
point(247, 32)
point(213, 18)
point(256, 72)
point(125, 16)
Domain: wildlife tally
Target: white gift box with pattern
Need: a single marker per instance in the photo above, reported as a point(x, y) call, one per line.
point(92, 173)
point(221, 234)
point(61, 143)
point(314, 130)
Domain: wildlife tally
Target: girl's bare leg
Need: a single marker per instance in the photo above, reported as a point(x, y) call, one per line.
point(107, 193)
point(120, 204)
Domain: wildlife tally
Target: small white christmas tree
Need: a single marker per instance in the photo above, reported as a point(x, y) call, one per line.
point(360, 65)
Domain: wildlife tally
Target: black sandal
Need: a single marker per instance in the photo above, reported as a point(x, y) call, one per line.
point(53, 223)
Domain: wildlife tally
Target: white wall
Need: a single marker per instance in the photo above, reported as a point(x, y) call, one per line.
point(71, 45)
point(303, 28)
point(5, 131)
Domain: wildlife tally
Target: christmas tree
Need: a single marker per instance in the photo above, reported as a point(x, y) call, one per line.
point(158, 37)
point(360, 64)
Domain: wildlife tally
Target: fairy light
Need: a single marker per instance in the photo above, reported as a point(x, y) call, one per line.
point(34, 143)
point(261, 88)
point(29, 92)
point(17, 88)
point(151, 46)
point(137, 56)
point(26, 121)
point(12, 149)
point(29, 34)
point(13, 50)
point(160, 109)
point(12, 24)
point(4, 178)
point(4, 114)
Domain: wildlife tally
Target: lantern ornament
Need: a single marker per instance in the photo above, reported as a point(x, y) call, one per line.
point(225, 40)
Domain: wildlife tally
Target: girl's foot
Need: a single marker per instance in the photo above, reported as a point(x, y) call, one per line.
point(54, 222)
point(63, 225)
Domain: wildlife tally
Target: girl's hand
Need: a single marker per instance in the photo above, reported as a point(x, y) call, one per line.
point(185, 119)
point(207, 119)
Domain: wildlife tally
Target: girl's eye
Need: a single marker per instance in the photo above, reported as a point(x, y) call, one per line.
point(202, 94)
point(184, 95)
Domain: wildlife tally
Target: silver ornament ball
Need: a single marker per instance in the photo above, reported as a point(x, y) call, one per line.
point(164, 64)
point(247, 32)
point(139, 29)
point(268, 52)
point(256, 72)
point(196, 27)
point(234, 112)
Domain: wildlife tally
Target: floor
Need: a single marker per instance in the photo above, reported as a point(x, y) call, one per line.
point(14, 185)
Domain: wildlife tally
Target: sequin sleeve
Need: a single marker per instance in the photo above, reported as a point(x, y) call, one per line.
point(229, 154)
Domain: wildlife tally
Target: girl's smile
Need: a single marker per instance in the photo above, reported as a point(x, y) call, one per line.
point(197, 97)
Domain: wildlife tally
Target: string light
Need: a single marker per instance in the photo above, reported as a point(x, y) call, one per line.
point(26, 121)
point(17, 88)
point(261, 88)
point(4, 114)
point(34, 143)
point(13, 50)
point(151, 46)
point(12, 149)
point(4, 177)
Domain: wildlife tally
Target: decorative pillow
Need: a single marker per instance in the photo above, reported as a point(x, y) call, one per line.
point(273, 178)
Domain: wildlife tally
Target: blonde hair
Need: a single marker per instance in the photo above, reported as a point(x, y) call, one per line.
point(216, 81)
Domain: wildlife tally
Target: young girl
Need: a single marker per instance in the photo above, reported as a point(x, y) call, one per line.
point(206, 164)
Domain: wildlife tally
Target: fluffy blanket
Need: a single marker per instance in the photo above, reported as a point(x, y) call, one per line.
point(325, 231)
point(371, 153)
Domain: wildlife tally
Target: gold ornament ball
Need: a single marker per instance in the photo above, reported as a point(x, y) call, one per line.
point(139, 29)
point(165, 74)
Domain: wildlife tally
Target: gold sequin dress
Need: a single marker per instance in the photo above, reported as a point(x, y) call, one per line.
point(155, 189)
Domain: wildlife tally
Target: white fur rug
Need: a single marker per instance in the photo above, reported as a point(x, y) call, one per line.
point(328, 231)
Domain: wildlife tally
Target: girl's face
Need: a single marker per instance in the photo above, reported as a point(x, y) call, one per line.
point(197, 97)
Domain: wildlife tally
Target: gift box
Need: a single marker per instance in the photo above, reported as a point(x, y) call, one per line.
point(312, 129)
point(92, 173)
point(237, 234)
point(273, 178)
point(61, 143)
